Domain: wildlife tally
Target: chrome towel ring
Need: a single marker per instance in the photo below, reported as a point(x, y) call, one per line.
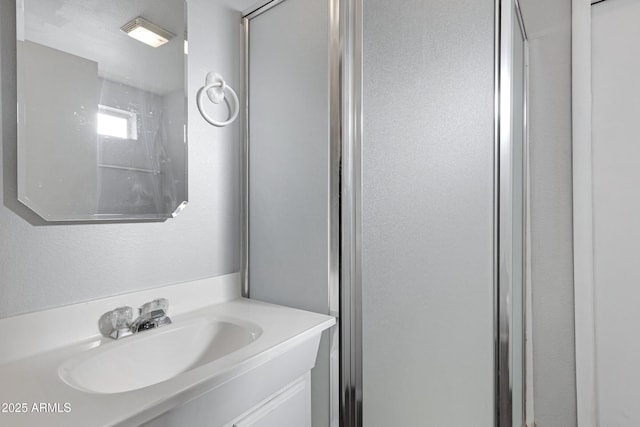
point(215, 87)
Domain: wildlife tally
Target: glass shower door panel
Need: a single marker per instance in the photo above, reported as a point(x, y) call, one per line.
point(289, 167)
point(427, 214)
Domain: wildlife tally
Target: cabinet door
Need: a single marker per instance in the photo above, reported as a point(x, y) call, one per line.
point(291, 408)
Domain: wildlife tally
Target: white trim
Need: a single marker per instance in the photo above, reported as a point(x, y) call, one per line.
point(586, 387)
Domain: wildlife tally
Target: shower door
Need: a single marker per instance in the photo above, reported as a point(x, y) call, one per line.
point(428, 214)
point(433, 202)
point(444, 191)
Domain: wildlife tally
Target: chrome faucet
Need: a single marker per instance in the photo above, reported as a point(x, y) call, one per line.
point(118, 323)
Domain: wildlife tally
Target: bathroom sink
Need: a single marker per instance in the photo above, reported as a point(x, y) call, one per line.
point(235, 352)
point(154, 356)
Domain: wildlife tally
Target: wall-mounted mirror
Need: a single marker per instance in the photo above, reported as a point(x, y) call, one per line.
point(102, 108)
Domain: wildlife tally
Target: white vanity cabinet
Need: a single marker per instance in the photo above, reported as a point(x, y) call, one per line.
point(290, 407)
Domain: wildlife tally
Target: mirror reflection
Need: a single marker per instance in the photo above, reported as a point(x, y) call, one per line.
point(102, 108)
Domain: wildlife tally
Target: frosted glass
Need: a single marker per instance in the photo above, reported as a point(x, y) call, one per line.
point(289, 155)
point(289, 166)
point(427, 281)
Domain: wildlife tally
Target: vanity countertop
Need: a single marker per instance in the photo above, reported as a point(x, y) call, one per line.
point(33, 393)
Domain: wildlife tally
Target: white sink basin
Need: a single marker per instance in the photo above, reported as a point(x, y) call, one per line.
point(154, 356)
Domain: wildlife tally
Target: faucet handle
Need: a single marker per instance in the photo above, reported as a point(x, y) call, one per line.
point(121, 317)
point(156, 304)
point(115, 323)
point(152, 315)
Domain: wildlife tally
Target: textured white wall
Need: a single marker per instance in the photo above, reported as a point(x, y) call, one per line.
point(616, 202)
point(549, 29)
point(427, 280)
point(44, 265)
